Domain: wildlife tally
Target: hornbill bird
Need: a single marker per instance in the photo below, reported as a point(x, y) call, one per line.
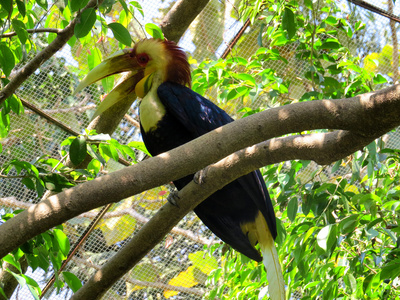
point(171, 114)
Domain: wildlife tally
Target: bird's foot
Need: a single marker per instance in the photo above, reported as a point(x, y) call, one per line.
point(200, 176)
point(173, 197)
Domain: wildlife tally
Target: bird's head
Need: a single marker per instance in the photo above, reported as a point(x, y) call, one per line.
point(146, 59)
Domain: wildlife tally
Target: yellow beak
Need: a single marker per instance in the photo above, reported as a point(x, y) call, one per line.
point(121, 61)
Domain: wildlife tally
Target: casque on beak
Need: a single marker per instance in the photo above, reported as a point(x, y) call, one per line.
point(121, 61)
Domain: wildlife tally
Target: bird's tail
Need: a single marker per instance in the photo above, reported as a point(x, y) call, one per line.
point(276, 286)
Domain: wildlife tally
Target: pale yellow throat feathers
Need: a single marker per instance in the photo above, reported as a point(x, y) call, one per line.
point(151, 109)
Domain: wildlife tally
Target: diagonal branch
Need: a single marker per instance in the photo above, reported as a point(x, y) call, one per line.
point(364, 117)
point(14, 203)
point(181, 15)
point(217, 176)
point(61, 39)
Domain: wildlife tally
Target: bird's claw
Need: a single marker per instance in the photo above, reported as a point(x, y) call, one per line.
point(173, 197)
point(200, 176)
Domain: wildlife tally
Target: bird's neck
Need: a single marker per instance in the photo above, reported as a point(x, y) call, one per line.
point(151, 109)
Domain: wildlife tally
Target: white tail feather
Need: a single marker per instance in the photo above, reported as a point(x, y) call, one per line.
point(276, 284)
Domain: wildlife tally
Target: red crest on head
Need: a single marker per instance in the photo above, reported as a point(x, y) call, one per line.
point(178, 69)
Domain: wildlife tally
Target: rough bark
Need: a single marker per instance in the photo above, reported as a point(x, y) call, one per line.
point(181, 15)
point(363, 118)
point(216, 176)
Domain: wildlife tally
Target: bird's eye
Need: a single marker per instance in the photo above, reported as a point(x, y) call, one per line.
point(142, 59)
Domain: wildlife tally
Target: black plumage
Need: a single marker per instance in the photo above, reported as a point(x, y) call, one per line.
point(188, 116)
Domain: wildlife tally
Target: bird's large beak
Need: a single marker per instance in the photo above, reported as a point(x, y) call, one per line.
point(121, 61)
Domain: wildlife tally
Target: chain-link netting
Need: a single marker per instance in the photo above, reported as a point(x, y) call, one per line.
point(50, 89)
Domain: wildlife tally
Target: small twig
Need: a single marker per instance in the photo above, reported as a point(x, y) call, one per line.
point(357, 255)
point(76, 246)
point(77, 109)
point(13, 33)
point(15, 176)
point(132, 121)
point(60, 162)
point(48, 117)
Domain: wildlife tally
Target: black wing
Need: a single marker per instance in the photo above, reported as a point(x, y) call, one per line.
point(239, 201)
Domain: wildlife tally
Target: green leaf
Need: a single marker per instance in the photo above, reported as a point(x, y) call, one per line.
point(326, 237)
point(370, 282)
point(16, 104)
point(76, 5)
point(348, 224)
point(7, 5)
point(12, 261)
point(248, 78)
point(77, 150)
point(21, 7)
point(28, 182)
point(329, 45)
point(94, 58)
point(72, 281)
point(31, 284)
point(260, 35)
point(154, 31)
point(289, 22)
point(39, 187)
point(108, 83)
point(129, 151)
point(121, 33)
point(2, 293)
point(281, 236)
point(391, 270)
point(350, 282)
point(137, 6)
point(379, 79)
point(94, 165)
point(140, 146)
point(237, 92)
point(292, 209)
point(124, 6)
point(86, 22)
point(42, 3)
point(20, 29)
point(7, 60)
point(109, 150)
point(331, 20)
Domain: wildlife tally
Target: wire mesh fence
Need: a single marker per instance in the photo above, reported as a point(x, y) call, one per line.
point(51, 88)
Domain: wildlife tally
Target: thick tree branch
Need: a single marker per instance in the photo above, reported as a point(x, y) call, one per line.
point(62, 38)
point(181, 15)
point(217, 176)
point(366, 117)
point(14, 203)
